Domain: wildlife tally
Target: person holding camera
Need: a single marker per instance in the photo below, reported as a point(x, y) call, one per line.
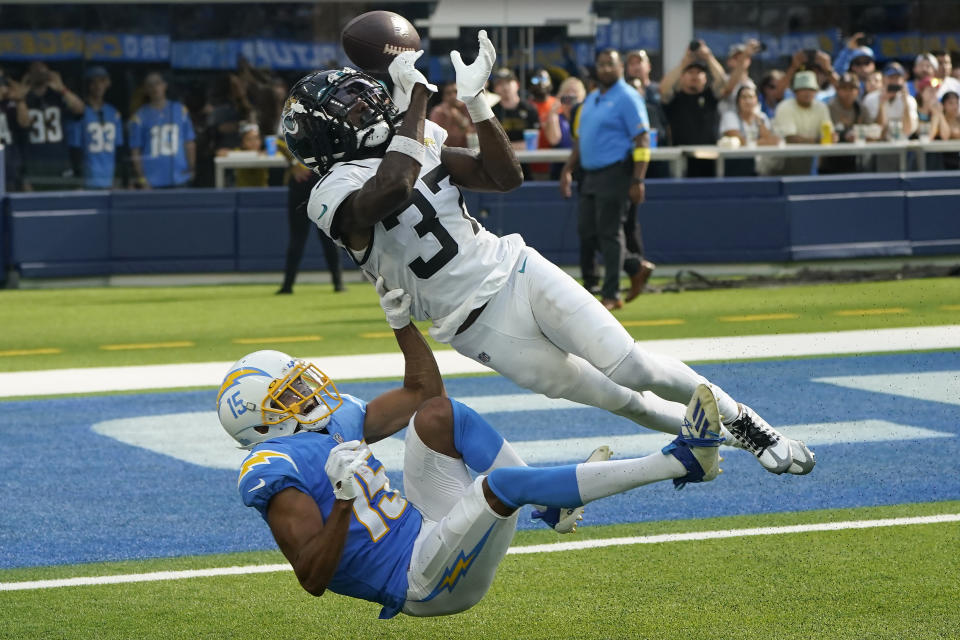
point(857, 57)
point(691, 93)
point(51, 107)
point(738, 65)
point(893, 107)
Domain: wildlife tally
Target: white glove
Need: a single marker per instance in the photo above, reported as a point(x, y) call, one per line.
point(472, 78)
point(405, 75)
point(342, 463)
point(395, 304)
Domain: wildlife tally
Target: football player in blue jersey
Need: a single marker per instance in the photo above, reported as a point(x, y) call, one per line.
point(98, 132)
point(389, 194)
point(435, 550)
point(162, 147)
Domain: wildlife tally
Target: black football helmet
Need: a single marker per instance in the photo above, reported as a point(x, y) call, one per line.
point(320, 129)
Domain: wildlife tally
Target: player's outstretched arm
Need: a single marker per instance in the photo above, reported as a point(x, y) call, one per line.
point(391, 411)
point(397, 174)
point(495, 167)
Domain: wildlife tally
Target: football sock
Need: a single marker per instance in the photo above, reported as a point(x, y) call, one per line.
point(575, 485)
point(653, 412)
point(482, 448)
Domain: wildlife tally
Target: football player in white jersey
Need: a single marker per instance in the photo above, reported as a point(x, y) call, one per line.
point(390, 195)
point(435, 550)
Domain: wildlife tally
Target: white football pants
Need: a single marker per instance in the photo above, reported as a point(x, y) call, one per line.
point(462, 540)
point(550, 335)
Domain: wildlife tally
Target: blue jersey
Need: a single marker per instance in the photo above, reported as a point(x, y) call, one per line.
point(98, 133)
point(609, 122)
point(161, 136)
point(383, 527)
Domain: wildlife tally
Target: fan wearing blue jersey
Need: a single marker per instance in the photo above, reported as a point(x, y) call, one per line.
point(389, 193)
point(435, 551)
point(98, 133)
point(162, 147)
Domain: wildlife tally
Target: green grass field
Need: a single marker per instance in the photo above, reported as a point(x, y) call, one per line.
point(892, 582)
point(49, 329)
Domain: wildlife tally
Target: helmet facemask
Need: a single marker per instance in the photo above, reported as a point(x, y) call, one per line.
point(305, 394)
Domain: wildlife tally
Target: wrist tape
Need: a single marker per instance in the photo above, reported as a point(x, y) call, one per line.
point(408, 147)
point(478, 108)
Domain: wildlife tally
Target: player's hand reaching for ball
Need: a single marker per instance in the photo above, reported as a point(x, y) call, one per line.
point(405, 76)
point(342, 463)
point(471, 78)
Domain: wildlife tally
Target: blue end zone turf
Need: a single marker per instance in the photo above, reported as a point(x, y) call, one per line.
point(72, 495)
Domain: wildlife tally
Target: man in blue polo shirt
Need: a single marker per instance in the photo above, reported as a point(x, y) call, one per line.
point(162, 146)
point(612, 150)
point(98, 133)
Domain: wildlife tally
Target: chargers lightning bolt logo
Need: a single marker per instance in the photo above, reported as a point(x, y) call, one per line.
point(262, 457)
point(459, 568)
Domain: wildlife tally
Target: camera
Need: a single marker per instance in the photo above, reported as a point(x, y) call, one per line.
point(694, 45)
point(894, 88)
point(865, 41)
point(811, 55)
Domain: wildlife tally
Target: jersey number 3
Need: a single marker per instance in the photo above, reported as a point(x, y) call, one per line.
point(430, 224)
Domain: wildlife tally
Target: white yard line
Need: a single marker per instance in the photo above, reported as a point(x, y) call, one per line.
point(390, 365)
point(537, 548)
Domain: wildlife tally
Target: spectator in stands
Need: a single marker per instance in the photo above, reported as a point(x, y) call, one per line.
point(690, 102)
point(772, 87)
point(944, 71)
point(162, 148)
point(951, 126)
point(846, 113)
point(50, 106)
point(893, 107)
point(874, 82)
point(611, 154)
point(751, 126)
point(231, 107)
point(452, 115)
point(929, 109)
point(539, 88)
point(14, 120)
point(514, 114)
point(856, 57)
point(570, 94)
point(798, 120)
point(924, 66)
point(98, 133)
point(738, 65)
point(250, 140)
point(637, 72)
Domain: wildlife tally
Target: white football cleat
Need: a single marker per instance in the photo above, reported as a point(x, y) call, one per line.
point(803, 458)
point(565, 520)
point(751, 432)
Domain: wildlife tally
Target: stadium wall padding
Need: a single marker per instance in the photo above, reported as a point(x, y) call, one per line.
point(62, 234)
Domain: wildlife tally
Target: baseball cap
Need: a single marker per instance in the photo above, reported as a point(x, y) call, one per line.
point(697, 64)
point(735, 49)
point(95, 71)
point(862, 52)
point(503, 73)
point(894, 69)
point(805, 80)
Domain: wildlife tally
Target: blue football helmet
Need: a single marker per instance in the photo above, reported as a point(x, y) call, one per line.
point(337, 115)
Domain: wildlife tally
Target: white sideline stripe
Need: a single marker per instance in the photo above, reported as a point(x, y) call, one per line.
point(390, 365)
point(536, 548)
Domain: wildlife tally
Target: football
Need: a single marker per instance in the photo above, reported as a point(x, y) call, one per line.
point(373, 39)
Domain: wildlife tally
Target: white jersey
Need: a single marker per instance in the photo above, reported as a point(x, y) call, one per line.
point(430, 246)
